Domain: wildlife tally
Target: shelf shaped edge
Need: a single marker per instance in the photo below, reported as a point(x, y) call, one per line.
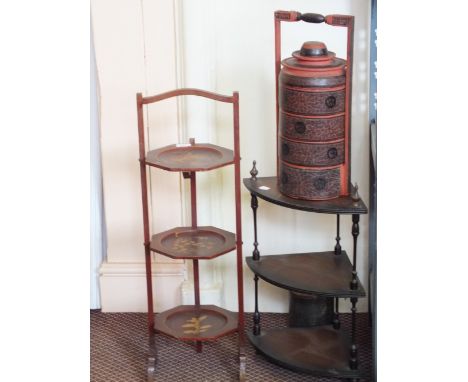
point(321, 273)
point(266, 188)
point(320, 351)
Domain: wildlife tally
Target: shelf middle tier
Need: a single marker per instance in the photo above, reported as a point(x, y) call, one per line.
point(193, 243)
point(196, 157)
point(321, 273)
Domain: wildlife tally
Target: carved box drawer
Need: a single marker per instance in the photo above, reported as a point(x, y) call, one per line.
point(312, 129)
point(308, 183)
point(311, 154)
point(311, 102)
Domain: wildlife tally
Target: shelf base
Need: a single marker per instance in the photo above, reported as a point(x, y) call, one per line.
point(196, 323)
point(320, 351)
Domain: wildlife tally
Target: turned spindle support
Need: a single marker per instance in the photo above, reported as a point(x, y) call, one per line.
point(353, 361)
point(256, 257)
point(254, 205)
point(256, 317)
point(256, 252)
point(338, 238)
point(355, 233)
point(336, 315)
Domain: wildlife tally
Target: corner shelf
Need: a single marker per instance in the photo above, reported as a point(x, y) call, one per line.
point(315, 279)
point(196, 322)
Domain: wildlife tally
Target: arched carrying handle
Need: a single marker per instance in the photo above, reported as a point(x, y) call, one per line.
point(311, 18)
point(315, 18)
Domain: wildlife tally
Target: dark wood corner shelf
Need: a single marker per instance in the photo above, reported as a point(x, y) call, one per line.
point(190, 157)
point(321, 351)
point(193, 243)
point(320, 273)
point(313, 343)
point(266, 188)
point(196, 323)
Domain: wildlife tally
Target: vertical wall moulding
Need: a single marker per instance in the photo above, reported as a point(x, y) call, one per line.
point(98, 229)
point(133, 47)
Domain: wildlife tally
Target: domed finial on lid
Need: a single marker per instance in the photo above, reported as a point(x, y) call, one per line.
point(313, 49)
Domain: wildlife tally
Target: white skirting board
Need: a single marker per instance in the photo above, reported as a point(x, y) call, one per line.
point(123, 287)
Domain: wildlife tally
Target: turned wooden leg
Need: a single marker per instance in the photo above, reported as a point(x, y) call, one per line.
point(355, 233)
point(338, 238)
point(256, 257)
point(336, 316)
point(256, 317)
point(353, 361)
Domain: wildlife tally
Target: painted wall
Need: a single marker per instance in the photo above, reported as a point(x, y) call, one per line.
point(135, 52)
point(220, 46)
point(230, 46)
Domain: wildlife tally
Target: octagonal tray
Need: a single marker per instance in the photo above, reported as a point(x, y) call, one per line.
point(193, 243)
point(190, 157)
point(196, 323)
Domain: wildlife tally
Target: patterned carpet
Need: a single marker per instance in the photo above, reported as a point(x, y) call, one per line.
point(119, 349)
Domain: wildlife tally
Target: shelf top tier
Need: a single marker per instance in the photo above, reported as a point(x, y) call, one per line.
point(190, 157)
point(196, 323)
point(322, 273)
point(193, 243)
point(266, 188)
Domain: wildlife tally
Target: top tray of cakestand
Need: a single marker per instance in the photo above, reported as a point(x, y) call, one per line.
point(190, 157)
